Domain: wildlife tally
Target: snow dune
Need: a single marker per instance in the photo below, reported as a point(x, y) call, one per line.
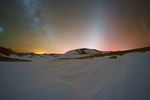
point(126, 77)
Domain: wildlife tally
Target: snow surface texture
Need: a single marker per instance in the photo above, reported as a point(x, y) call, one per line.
point(126, 77)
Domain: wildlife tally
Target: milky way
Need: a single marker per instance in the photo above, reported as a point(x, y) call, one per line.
point(1, 29)
point(32, 8)
point(56, 26)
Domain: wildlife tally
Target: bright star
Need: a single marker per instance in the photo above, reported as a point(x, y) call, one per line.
point(1, 29)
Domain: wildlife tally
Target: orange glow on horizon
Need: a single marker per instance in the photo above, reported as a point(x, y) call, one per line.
point(114, 47)
point(39, 52)
point(48, 51)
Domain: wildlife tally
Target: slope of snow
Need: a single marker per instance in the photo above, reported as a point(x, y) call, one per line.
point(2, 55)
point(49, 78)
point(83, 52)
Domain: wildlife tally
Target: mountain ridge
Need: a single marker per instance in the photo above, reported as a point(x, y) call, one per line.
point(8, 51)
point(81, 53)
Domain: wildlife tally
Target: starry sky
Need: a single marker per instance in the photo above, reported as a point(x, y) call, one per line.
point(56, 26)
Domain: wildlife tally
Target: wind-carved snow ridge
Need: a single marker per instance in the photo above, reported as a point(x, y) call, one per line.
point(48, 77)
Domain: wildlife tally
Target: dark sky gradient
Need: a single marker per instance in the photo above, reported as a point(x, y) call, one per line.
point(56, 26)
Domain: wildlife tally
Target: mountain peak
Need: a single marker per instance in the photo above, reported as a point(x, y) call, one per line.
point(83, 51)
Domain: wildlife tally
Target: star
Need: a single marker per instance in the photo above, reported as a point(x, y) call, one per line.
point(1, 29)
point(19, 37)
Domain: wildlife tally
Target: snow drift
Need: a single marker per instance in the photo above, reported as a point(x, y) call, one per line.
point(123, 75)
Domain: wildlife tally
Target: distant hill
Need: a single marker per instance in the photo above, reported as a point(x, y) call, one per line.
point(81, 53)
point(6, 51)
point(85, 53)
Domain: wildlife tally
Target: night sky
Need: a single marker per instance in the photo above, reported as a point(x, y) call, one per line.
point(56, 26)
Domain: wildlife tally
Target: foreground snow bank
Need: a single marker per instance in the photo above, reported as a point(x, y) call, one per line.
point(123, 78)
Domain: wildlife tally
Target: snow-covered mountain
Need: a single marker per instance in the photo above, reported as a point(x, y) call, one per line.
point(83, 51)
point(82, 74)
point(7, 54)
point(80, 53)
